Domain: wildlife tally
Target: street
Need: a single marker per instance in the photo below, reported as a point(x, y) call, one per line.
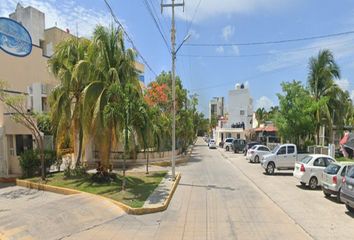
point(220, 196)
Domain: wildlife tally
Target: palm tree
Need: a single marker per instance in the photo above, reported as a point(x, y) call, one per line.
point(261, 115)
point(68, 64)
point(111, 99)
point(322, 71)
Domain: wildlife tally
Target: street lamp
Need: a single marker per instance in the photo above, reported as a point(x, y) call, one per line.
point(174, 53)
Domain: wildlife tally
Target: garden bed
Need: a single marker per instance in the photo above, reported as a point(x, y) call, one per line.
point(138, 189)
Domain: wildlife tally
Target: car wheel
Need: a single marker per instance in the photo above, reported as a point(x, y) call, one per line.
point(327, 195)
point(227, 148)
point(270, 168)
point(350, 209)
point(256, 159)
point(313, 183)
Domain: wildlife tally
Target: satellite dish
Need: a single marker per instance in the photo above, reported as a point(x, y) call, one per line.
point(14, 38)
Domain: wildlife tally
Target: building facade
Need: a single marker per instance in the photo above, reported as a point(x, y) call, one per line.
point(216, 107)
point(240, 107)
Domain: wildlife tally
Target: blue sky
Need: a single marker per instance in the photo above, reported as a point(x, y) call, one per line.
point(205, 70)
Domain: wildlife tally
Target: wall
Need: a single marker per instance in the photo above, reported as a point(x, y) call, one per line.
point(52, 37)
point(33, 20)
point(240, 100)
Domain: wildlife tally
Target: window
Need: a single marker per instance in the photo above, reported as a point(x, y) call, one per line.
point(23, 143)
point(328, 161)
point(332, 169)
point(10, 145)
point(238, 136)
point(306, 159)
point(282, 151)
point(263, 149)
point(319, 162)
point(242, 112)
point(291, 149)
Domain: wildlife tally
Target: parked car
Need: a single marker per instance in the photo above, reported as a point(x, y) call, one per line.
point(309, 169)
point(332, 178)
point(255, 153)
point(212, 143)
point(238, 145)
point(347, 190)
point(228, 143)
point(249, 145)
point(283, 157)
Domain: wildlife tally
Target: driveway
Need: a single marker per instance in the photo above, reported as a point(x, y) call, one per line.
point(214, 200)
point(320, 217)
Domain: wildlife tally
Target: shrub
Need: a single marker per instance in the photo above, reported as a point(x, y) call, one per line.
point(30, 163)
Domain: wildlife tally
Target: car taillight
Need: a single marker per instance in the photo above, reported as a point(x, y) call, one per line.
point(343, 180)
point(302, 168)
point(334, 179)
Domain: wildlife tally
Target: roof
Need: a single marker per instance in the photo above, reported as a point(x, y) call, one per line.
point(269, 128)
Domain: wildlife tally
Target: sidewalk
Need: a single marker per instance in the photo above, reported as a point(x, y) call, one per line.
point(161, 193)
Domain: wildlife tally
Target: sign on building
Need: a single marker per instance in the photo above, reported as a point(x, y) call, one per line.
point(14, 38)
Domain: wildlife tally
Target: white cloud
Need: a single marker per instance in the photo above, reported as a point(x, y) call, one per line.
point(213, 8)
point(220, 49)
point(340, 46)
point(227, 32)
point(264, 102)
point(64, 14)
point(343, 84)
point(194, 34)
point(235, 50)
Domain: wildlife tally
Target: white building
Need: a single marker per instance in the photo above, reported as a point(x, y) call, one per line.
point(239, 116)
point(216, 107)
point(240, 107)
point(27, 16)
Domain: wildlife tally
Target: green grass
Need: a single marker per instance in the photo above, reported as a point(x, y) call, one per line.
point(138, 189)
point(343, 159)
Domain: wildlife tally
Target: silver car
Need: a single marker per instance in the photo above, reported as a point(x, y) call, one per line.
point(332, 178)
point(347, 190)
point(255, 153)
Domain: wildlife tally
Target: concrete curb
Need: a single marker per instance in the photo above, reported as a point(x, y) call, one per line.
point(126, 208)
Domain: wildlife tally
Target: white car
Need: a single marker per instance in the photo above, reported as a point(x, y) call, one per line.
point(212, 143)
point(228, 143)
point(309, 169)
point(255, 153)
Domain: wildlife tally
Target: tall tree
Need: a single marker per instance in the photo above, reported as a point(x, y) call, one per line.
point(261, 115)
point(295, 120)
point(110, 100)
point(322, 71)
point(70, 66)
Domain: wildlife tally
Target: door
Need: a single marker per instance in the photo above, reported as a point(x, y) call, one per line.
point(281, 157)
point(290, 156)
point(319, 165)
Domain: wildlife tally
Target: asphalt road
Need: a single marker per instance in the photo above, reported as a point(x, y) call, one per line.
point(218, 198)
point(320, 217)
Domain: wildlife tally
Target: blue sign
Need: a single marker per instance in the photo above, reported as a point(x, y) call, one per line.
point(14, 38)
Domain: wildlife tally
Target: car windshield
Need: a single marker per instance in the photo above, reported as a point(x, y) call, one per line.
point(350, 171)
point(229, 140)
point(332, 169)
point(276, 149)
point(255, 146)
point(306, 159)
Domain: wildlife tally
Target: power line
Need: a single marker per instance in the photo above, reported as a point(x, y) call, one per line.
point(157, 24)
point(128, 37)
point(193, 17)
point(267, 53)
point(269, 42)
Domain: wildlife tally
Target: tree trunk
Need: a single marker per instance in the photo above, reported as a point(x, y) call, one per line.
point(126, 149)
point(78, 159)
point(41, 153)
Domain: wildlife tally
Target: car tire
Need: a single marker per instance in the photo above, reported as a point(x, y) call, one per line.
point(270, 169)
point(313, 183)
point(350, 209)
point(256, 159)
point(327, 195)
point(227, 148)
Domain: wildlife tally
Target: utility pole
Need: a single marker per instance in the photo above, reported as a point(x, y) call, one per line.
point(173, 53)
